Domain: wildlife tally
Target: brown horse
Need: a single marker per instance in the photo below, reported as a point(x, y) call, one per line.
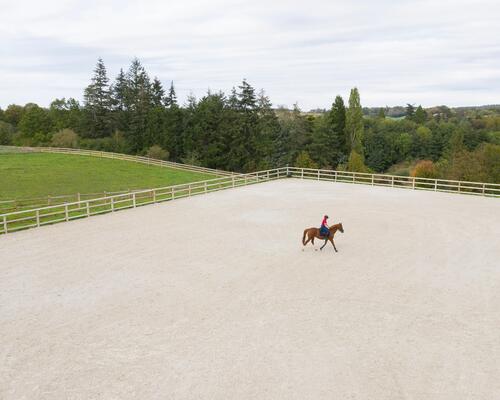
point(313, 233)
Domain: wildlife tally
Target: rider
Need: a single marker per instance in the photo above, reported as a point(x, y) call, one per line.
point(324, 231)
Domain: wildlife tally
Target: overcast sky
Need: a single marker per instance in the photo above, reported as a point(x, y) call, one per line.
point(395, 52)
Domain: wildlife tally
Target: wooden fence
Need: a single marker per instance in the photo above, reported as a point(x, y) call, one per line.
point(15, 221)
point(407, 182)
point(117, 156)
point(18, 220)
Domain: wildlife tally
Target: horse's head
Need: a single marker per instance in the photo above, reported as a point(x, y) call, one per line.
point(340, 227)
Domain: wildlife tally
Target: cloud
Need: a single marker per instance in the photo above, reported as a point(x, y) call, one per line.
point(428, 52)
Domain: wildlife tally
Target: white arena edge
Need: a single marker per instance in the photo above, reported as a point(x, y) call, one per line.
point(213, 297)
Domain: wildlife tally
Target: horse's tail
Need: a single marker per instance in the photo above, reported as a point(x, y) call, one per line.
point(304, 237)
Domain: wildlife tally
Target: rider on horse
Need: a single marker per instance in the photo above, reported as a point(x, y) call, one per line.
point(324, 230)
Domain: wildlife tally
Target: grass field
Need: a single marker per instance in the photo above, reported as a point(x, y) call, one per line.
point(26, 176)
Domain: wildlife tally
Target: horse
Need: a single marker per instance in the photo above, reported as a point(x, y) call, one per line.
point(313, 233)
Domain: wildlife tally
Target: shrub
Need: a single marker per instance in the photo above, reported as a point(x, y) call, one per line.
point(425, 169)
point(304, 160)
point(6, 133)
point(65, 138)
point(192, 158)
point(157, 152)
point(356, 163)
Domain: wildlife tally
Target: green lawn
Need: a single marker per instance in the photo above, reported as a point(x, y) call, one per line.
point(34, 175)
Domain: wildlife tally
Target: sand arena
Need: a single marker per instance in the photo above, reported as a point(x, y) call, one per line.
point(212, 297)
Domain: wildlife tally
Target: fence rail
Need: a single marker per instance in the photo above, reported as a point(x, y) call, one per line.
point(117, 156)
point(408, 182)
point(24, 219)
point(14, 221)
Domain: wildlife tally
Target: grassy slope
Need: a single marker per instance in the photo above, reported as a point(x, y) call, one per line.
point(24, 176)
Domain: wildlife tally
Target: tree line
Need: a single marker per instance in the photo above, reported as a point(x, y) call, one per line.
point(241, 131)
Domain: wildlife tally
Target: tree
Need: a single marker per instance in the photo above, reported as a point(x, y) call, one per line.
point(34, 120)
point(6, 133)
point(138, 99)
point(338, 122)
point(410, 111)
point(13, 114)
point(356, 163)
point(65, 138)
point(171, 99)
point(157, 93)
point(98, 102)
point(304, 160)
point(381, 113)
point(354, 123)
point(420, 116)
point(425, 169)
point(157, 153)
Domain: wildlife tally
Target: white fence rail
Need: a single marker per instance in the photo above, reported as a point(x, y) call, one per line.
point(117, 156)
point(408, 182)
point(18, 220)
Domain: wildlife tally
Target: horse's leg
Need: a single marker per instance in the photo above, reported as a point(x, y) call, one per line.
point(326, 241)
point(333, 243)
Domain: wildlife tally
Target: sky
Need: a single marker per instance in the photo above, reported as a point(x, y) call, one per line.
point(306, 52)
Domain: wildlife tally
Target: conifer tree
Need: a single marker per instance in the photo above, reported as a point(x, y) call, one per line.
point(171, 98)
point(420, 115)
point(98, 102)
point(157, 93)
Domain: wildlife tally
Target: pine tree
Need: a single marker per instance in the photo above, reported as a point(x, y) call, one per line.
point(410, 111)
point(98, 102)
point(420, 115)
point(267, 129)
point(354, 123)
point(244, 142)
point(157, 93)
point(139, 100)
point(171, 99)
point(118, 92)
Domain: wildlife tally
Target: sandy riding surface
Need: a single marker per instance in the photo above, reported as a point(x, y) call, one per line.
point(212, 297)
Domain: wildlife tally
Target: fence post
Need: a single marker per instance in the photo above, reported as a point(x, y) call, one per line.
point(112, 204)
point(302, 173)
point(154, 196)
point(318, 174)
point(459, 188)
point(335, 176)
point(66, 215)
point(133, 199)
point(189, 190)
point(373, 179)
point(267, 175)
point(78, 197)
point(88, 209)
point(172, 193)
point(232, 179)
point(205, 187)
point(413, 183)
point(435, 185)
point(392, 181)
point(37, 217)
point(484, 187)
point(5, 224)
